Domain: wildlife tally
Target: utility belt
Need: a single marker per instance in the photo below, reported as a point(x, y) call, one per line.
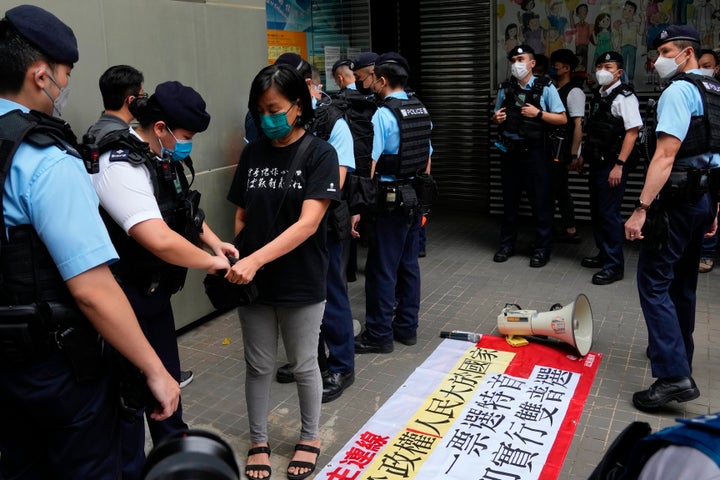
point(32, 332)
point(509, 145)
point(398, 196)
point(170, 278)
point(690, 184)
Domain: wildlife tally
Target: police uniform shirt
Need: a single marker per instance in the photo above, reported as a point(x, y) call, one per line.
point(627, 108)
point(549, 100)
point(50, 190)
point(342, 141)
point(679, 102)
point(125, 190)
point(576, 103)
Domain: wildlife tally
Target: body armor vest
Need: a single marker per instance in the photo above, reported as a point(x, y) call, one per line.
point(605, 132)
point(179, 207)
point(532, 129)
point(567, 130)
point(28, 273)
point(358, 113)
point(700, 138)
point(414, 122)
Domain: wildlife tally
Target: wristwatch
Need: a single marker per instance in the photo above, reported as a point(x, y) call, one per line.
point(640, 205)
point(539, 115)
point(574, 156)
point(620, 162)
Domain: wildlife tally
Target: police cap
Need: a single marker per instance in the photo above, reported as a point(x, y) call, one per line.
point(183, 106)
point(44, 31)
point(610, 57)
point(519, 50)
point(566, 57)
point(365, 59)
point(393, 57)
point(292, 59)
point(676, 32)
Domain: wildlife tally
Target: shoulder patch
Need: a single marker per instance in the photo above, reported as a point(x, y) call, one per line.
point(120, 155)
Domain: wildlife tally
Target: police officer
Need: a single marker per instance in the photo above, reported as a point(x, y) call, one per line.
point(58, 406)
point(675, 198)
point(120, 85)
point(526, 105)
point(565, 144)
point(342, 74)
point(401, 149)
point(363, 66)
point(156, 225)
point(612, 130)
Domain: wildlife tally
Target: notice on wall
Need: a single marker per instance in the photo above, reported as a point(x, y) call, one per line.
point(281, 41)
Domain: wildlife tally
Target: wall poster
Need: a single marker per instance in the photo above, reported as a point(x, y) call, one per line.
point(591, 27)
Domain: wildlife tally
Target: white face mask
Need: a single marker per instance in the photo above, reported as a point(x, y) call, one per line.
point(604, 77)
point(59, 102)
point(708, 72)
point(666, 67)
point(519, 70)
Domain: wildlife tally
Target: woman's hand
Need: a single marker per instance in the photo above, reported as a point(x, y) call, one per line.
point(243, 271)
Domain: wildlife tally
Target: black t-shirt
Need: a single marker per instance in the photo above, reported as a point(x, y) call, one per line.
point(297, 278)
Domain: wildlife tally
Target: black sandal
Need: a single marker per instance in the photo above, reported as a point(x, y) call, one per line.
point(257, 467)
point(300, 464)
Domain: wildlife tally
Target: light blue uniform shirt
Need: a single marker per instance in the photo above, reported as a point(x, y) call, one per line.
point(50, 190)
point(678, 102)
point(386, 139)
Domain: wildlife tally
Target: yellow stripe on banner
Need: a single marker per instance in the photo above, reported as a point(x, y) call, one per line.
point(405, 454)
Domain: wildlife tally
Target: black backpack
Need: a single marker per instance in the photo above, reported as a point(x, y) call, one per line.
point(358, 111)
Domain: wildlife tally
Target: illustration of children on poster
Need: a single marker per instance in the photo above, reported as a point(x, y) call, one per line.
point(591, 27)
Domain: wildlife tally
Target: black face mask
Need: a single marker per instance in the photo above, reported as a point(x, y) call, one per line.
point(361, 88)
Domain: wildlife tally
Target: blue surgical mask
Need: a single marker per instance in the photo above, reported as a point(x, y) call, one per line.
point(182, 148)
point(275, 125)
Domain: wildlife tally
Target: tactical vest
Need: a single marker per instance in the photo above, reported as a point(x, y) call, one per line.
point(605, 132)
point(414, 122)
point(28, 273)
point(179, 207)
point(532, 129)
point(324, 119)
point(358, 113)
point(700, 138)
point(568, 129)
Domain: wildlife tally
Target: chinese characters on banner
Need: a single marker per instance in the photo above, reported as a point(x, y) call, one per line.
point(488, 413)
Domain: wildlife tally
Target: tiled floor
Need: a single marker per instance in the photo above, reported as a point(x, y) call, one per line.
point(464, 289)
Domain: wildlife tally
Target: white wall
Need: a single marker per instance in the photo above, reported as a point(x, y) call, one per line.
point(216, 47)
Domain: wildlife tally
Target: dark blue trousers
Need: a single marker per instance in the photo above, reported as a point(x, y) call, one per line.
point(154, 313)
point(392, 275)
point(526, 168)
point(336, 330)
point(606, 216)
point(667, 281)
point(52, 427)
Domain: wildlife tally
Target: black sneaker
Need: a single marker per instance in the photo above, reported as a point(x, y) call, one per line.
point(186, 376)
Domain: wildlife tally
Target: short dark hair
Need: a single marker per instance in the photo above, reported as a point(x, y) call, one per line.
point(707, 51)
point(118, 83)
point(395, 74)
point(16, 56)
point(632, 4)
point(288, 82)
point(577, 9)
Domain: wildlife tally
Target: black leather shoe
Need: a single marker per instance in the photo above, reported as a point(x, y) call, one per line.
point(606, 277)
point(284, 374)
point(363, 346)
point(335, 383)
point(409, 341)
point(593, 262)
point(539, 259)
point(682, 389)
point(503, 254)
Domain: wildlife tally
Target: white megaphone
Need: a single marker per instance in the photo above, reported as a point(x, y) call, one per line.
point(572, 324)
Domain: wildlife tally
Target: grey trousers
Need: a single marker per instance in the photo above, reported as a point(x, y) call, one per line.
point(299, 328)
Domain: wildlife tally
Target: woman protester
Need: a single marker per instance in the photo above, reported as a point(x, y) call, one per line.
point(283, 186)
